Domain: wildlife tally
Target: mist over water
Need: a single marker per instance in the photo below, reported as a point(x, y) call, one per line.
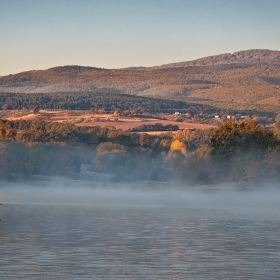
point(71, 230)
point(81, 193)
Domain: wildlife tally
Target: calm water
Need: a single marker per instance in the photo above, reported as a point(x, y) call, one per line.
point(166, 237)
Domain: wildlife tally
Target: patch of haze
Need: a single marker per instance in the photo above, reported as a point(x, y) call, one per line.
point(265, 201)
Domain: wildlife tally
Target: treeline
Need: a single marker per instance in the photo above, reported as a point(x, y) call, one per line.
point(126, 155)
point(112, 102)
point(39, 131)
point(241, 151)
point(234, 151)
point(51, 132)
point(264, 110)
point(229, 107)
point(109, 102)
point(246, 151)
point(155, 127)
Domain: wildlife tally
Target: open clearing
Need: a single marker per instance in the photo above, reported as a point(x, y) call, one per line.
point(86, 118)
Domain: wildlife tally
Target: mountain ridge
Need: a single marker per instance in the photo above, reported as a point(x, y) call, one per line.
point(251, 76)
point(247, 56)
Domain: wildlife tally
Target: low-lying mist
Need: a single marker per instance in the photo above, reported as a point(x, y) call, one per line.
point(255, 201)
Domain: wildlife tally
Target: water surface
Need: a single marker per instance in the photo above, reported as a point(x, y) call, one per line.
point(148, 236)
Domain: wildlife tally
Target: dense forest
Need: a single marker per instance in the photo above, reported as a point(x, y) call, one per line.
point(98, 100)
point(234, 151)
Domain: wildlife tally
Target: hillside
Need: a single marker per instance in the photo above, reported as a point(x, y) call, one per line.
point(246, 77)
point(94, 101)
point(247, 57)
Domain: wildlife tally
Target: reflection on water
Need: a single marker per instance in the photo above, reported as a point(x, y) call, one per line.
point(139, 242)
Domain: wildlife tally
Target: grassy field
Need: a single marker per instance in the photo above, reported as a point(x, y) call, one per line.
point(85, 118)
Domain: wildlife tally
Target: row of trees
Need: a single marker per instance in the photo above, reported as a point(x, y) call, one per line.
point(238, 152)
point(233, 151)
point(127, 155)
point(155, 127)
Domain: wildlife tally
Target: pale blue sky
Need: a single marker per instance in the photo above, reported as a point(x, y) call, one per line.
point(39, 34)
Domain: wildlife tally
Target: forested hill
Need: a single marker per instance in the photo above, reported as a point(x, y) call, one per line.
point(248, 77)
point(109, 102)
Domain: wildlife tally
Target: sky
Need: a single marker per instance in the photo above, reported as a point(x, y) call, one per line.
point(123, 33)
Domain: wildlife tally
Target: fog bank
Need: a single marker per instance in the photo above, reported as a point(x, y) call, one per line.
point(258, 201)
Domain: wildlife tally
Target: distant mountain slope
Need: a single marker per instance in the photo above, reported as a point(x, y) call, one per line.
point(251, 76)
point(249, 56)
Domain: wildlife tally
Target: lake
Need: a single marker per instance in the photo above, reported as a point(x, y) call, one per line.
point(121, 234)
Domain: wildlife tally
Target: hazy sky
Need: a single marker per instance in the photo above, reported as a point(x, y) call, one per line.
point(39, 34)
